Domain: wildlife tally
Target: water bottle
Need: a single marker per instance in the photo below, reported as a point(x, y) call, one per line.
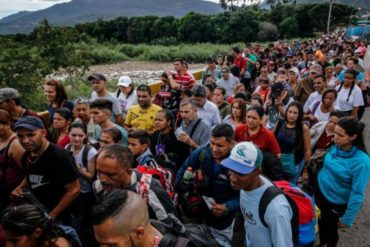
point(188, 175)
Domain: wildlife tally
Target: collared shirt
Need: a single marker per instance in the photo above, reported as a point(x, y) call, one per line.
point(202, 133)
point(141, 160)
point(209, 114)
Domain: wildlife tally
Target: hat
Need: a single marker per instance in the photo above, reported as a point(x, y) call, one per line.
point(294, 70)
point(269, 63)
point(124, 81)
point(31, 123)
point(9, 93)
point(316, 68)
point(276, 89)
point(97, 77)
point(244, 158)
point(225, 69)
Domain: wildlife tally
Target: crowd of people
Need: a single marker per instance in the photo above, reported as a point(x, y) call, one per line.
point(135, 168)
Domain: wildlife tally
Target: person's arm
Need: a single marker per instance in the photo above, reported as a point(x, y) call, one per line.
point(119, 120)
point(88, 173)
point(185, 138)
point(128, 125)
point(306, 142)
point(72, 192)
point(16, 151)
point(354, 111)
point(173, 83)
point(360, 177)
point(17, 193)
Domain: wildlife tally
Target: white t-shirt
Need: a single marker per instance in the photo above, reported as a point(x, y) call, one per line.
point(126, 102)
point(355, 99)
point(277, 216)
point(321, 116)
point(314, 97)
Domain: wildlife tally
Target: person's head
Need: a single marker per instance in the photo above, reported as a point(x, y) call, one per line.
point(254, 117)
point(179, 65)
point(110, 136)
point(328, 97)
point(209, 80)
point(31, 133)
point(350, 77)
point(125, 85)
point(199, 97)
point(329, 71)
point(114, 166)
point(188, 111)
point(244, 163)
point(55, 92)
point(239, 88)
point(138, 142)
point(351, 62)
point(315, 70)
point(26, 225)
point(294, 113)
point(258, 65)
point(219, 95)
point(222, 141)
point(185, 94)
point(293, 74)
point(220, 59)
point(333, 120)
point(238, 110)
point(121, 219)
point(236, 51)
point(225, 72)
point(100, 110)
point(319, 83)
point(9, 98)
point(338, 68)
point(98, 82)
point(256, 100)
point(164, 121)
point(211, 62)
point(81, 109)
point(5, 123)
point(144, 96)
point(62, 118)
point(209, 90)
point(276, 90)
point(78, 134)
point(349, 132)
point(264, 83)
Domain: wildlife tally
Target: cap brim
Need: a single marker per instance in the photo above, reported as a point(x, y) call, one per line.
point(123, 84)
point(25, 126)
point(236, 166)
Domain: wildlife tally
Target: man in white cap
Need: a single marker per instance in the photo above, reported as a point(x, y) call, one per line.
point(244, 164)
point(126, 94)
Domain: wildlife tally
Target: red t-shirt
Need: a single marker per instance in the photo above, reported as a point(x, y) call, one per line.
point(323, 141)
point(264, 139)
point(186, 81)
point(241, 63)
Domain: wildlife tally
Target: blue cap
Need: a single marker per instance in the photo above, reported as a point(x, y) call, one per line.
point(31, 123)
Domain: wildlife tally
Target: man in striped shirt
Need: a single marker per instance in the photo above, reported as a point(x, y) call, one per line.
point(182, 80)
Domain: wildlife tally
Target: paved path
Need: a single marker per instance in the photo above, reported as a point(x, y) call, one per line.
point(359, 234)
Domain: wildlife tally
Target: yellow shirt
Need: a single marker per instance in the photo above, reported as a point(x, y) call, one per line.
point(139, 118)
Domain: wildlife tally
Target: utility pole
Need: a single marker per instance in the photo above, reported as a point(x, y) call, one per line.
point(329, 16)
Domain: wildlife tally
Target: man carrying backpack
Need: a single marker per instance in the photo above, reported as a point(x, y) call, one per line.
point(244, 164)
point(121, 218)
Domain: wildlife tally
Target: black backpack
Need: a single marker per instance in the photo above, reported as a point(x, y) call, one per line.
point(193, 235)
point(85, 153)
point(271, 167)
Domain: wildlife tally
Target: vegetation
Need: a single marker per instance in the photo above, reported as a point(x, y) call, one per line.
point(26, 60)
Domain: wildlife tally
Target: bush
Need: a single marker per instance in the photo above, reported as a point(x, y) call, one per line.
point(104, 54)
point(131, 50)
point(268, 31)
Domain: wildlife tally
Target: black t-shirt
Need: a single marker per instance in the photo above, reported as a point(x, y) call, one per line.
point(48, 174)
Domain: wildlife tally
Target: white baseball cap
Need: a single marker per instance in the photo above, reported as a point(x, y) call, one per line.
point(124, 81)
point(244, 158)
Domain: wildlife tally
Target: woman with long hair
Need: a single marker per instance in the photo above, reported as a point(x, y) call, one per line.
point(126, 94)
point(237, 113)
point(61, 122)
point(163, 141)
point(350, 97)
point(11, 153)
point(342, 181)
point(254, 131)
point(27, 225)
point(294, 140)
point(167, 97)
point(56, 97)
point(320, 110)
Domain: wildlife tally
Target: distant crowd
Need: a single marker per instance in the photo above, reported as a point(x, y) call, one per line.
point(269, 142)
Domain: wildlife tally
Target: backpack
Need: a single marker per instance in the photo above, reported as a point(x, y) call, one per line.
point(303, 207)
point(85, 153)
point(163, 175)
point(195, 235)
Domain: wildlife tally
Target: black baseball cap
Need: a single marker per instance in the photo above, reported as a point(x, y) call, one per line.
point(97, 77)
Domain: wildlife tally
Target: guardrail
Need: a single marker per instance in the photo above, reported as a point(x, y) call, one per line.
point(155, 87)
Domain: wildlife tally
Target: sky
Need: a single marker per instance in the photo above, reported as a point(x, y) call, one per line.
point(8, 7)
